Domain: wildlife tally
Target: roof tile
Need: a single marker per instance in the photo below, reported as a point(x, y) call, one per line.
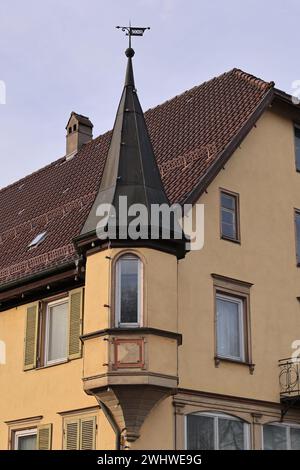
point(188, 133)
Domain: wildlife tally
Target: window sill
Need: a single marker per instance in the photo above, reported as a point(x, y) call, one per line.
point(232, 240)
point(47, 366)
point(219, 359)
point(137, 331)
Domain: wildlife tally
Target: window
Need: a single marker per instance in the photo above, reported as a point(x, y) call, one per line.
point(2, 352)
point(25, 439)
point(232, 321)
point(56, 331)
point(297, 229)
point(205, 431)
point(281, 437)
point(31, 438)
point(297, 147)
point(128, 291)
point(229, 216)
point(53, 330)
point(37, 240)
point(230, 327)
point(80, 433)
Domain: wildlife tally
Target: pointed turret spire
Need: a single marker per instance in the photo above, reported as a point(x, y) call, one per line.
point(130, 169)
point(130, 172)
point(129, 78)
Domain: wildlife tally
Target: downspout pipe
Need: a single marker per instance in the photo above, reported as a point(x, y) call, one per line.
point(113, 424)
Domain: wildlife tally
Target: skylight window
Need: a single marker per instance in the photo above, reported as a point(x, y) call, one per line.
point(37, 240)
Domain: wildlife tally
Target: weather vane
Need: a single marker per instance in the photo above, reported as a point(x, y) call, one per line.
point(132, 31)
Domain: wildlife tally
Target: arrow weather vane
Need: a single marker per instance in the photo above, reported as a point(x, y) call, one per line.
point(132, 31)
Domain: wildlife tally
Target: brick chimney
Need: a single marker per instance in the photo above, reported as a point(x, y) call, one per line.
point(79, 132)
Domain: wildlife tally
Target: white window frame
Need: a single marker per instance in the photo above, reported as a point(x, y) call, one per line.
point(23, 433)
point(48, 306)
point(216, 417)
point(240, 303)
point(288, 427)
point(118, 322)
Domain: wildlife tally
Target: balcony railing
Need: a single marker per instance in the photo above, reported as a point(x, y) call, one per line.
point(289, 379)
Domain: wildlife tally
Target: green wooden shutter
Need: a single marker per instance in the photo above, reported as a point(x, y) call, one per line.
point(44, 437)
point(88, 433)
point(71, 434)
point(31, 331)
point(75, 323)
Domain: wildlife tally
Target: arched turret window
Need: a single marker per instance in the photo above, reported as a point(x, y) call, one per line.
point(128, 301)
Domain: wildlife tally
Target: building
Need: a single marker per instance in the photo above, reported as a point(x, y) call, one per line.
point(143, 344)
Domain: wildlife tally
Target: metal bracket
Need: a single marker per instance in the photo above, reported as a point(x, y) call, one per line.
point(287, 405)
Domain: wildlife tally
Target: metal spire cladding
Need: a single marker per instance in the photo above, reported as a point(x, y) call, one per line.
point(130, 169)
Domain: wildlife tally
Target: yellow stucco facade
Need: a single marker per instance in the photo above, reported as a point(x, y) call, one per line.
point(178, 297)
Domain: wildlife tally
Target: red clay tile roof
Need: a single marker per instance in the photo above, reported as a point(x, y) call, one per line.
point(188, 133)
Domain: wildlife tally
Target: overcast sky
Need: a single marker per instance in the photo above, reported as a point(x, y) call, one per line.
point(57, 56)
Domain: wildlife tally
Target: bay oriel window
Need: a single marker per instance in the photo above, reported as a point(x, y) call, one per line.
point(128, 291)
point(52, 330)
point(216, 431)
